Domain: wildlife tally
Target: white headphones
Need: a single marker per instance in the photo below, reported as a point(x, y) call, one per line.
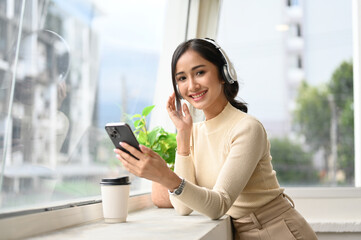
point(229, 73)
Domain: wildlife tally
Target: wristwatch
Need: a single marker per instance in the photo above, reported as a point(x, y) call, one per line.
point(179, 190)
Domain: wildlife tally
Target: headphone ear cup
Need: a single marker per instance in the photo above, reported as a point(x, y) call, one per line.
point(226, 74)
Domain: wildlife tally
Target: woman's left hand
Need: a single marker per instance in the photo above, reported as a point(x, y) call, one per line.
point(150, 165)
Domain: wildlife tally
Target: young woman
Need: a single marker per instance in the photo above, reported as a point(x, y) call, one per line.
point(223, 164)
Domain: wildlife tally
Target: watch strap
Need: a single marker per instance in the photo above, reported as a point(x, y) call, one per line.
point(180, 188)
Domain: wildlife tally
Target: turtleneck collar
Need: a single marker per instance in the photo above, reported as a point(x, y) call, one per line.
point(220, 119)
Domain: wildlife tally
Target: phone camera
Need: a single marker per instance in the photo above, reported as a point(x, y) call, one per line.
point(113, 134)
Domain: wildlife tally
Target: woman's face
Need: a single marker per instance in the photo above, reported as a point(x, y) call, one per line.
point(199, 83)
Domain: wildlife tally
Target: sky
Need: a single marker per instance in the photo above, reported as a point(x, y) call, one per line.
point(136, 24)
point(130, 39)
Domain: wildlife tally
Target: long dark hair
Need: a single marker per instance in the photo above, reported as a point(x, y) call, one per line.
point(209, 52)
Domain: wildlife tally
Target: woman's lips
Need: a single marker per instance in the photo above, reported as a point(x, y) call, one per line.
point(198, 96)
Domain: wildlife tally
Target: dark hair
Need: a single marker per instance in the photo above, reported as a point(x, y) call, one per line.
point(209, 52)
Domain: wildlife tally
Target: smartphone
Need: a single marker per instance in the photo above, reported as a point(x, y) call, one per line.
point(121, 132)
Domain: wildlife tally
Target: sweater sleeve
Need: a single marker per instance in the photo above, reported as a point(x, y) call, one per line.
point(248, 142)
point(184, 168)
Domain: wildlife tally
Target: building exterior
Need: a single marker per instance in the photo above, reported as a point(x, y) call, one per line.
point(54, 98)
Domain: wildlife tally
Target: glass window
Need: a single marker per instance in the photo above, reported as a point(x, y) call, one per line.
point(3, 7)
point(3, 40)
point(72, 67)
point(294, 61)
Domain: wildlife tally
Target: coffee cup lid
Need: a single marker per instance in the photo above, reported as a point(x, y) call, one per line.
point(116, 181)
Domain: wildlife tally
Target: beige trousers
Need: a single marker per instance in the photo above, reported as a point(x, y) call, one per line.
point(277, 220)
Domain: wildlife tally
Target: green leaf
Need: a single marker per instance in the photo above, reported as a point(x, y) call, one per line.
point(136, 116)
point(152, 135)
point(136, 123)
point(157, 149)
point(142, 138)
point(147, 110)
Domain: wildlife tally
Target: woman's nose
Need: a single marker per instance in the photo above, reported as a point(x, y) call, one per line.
point(193, 84)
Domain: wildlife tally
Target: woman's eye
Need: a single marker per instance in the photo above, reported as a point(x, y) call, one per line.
point(200, 73)
point(181, 78)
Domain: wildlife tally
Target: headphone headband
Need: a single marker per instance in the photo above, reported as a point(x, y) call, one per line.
point(229, 72)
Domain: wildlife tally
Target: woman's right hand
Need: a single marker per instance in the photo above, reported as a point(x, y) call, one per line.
point(182, 120)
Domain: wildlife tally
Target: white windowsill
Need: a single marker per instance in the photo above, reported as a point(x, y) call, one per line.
point(151, 223)
point(162, 223)
point(328, 210)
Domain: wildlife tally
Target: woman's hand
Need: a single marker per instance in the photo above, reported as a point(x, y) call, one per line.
point(183, 123)
point(150, 165)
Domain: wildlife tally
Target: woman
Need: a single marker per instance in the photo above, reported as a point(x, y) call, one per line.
point(223, 165)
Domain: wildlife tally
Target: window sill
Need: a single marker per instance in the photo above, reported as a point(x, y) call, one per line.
point(336, 227)
point(57, 217)
point(329, 211)
point(154, 222)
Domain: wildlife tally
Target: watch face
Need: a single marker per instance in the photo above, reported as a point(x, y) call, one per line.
point(179, 190)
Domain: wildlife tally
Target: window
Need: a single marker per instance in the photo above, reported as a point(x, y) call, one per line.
point(299, 84)
point(75, 66)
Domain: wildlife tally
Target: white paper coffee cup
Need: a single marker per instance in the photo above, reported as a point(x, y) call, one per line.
point(115, 195)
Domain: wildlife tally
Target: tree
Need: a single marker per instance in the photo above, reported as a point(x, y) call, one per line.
point(312, 117)
point(341, 86)
point(292, 164)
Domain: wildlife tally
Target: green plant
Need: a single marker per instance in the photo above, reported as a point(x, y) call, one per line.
point(160, 141)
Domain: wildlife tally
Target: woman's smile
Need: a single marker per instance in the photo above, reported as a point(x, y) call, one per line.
point(198, 96)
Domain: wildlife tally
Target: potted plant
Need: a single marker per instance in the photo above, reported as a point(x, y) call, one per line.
point(163, 143)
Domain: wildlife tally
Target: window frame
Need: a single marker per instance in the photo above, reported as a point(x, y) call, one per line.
point(176, 28)
point(356, 19)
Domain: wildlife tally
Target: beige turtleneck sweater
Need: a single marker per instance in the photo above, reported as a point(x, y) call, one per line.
point(229, 169)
